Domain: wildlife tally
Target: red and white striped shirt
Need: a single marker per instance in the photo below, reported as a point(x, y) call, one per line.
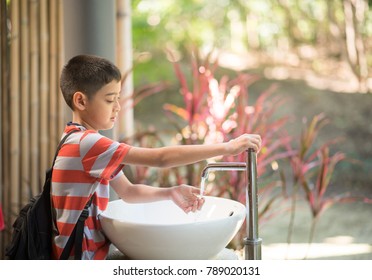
point(85, 164)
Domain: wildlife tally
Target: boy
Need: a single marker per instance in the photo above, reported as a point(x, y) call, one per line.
point(88, 163)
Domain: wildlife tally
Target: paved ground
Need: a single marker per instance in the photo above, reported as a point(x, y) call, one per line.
point(344, 232)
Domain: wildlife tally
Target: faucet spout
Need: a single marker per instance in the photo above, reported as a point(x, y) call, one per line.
point(223, 166)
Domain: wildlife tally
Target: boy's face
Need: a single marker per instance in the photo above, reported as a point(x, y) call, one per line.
point(101, 111)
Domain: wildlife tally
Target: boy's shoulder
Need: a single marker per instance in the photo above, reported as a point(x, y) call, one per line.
point(81, 135)
point(86, 138)
point(81, 130)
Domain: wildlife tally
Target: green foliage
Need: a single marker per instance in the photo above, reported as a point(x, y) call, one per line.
point(306, 34)
point(209, 22)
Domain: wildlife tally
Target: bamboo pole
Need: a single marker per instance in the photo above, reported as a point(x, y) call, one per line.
point(25, 87)
point(61, 62)
point(44, 89)
point(34, 97)
point(5, 194)
point(53, 92)
point(15, 108)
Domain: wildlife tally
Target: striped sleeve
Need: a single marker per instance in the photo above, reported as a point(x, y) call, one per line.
point(101, 156)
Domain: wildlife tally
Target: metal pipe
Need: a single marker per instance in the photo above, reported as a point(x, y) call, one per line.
point(223, 166)
point(252, 243)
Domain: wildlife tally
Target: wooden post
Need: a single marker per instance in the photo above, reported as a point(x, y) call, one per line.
point(44, 90)
point(53, 87)
point(14, 108)
point(25, 110)
point(34, 95)
point(4, 140)
point(61, 61)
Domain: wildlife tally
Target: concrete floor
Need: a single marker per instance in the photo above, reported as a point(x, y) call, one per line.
point(343, 232)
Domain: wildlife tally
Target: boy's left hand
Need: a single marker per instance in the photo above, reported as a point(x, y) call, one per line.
point(186, 197)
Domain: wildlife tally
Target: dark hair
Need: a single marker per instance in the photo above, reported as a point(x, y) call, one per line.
point(88, 74)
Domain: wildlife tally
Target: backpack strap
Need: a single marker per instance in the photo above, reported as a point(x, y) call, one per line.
point(76, 237)
point(61, 143)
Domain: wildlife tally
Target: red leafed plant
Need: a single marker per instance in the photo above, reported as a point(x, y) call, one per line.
point(313, 169)
point(216, 110)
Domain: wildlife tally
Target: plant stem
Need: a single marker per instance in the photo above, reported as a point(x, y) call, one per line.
point(292, 218)
point(311, 235)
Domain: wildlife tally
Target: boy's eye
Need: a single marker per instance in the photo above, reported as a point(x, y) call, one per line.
point(110, 101)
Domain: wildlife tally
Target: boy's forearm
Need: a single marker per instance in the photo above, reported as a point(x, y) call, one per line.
point(173, 156)
point(188, 154)
point(139, 193)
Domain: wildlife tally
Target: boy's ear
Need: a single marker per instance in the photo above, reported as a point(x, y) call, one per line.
point(79, 100)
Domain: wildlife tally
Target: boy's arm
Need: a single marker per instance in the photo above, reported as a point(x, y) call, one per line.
point(183, 196)
point(187, 154)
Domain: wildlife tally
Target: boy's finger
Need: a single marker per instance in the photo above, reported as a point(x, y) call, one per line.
point(187, 209)
point(201, 203)
point(195, 205)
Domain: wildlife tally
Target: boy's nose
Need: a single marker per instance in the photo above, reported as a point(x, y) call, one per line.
point(117, 106)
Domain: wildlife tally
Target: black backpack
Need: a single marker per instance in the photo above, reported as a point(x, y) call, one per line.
point(33, 227)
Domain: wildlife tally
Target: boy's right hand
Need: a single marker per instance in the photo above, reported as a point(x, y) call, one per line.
point(243, 143)
point(186, 197)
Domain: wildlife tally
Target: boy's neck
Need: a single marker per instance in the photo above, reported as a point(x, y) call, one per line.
point(77, 120)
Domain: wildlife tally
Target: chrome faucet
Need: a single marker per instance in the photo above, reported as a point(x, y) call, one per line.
point(223, 166)
point(252, 242)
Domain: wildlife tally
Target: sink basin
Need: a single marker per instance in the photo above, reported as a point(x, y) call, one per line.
point(162, 231)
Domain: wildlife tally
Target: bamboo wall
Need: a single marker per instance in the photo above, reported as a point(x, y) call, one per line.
point(32, 108)
point(32, 114)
